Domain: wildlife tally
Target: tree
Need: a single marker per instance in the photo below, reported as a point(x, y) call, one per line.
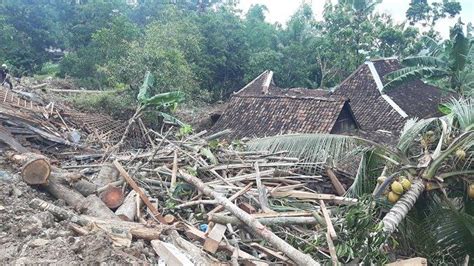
point(449, 63)
point(421, 11)
point(435, 154)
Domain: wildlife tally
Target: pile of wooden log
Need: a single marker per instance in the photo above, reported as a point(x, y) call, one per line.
point(194, 199)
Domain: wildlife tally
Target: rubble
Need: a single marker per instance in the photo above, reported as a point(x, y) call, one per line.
point(184, 200)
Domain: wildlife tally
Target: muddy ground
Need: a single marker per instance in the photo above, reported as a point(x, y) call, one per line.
point(30, 236)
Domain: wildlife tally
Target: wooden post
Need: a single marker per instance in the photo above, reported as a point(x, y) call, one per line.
point(262, 191)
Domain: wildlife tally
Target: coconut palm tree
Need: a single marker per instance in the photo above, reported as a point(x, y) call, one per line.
point(448, 64)
point(435, 154)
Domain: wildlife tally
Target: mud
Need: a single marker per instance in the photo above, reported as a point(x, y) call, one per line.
point(29, 236)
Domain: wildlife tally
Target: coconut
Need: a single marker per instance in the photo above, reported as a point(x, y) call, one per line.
point(461, 154)
point(397, 187)
point(406, 184)
point(470, 191)
point(393, 197)
point(381, 179)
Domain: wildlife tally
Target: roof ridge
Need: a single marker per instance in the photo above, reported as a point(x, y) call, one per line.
point(253, 81)
point(331, 98)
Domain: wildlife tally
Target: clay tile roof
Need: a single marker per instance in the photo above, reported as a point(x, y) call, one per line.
point(375, 111)
point(261, 109)
point(260, 116)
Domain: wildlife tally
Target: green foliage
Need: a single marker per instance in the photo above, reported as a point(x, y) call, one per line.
point(450, 64)
point(361, 235)
point(422, 11)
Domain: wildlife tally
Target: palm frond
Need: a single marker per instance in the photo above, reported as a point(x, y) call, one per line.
point(310, 147)
point(370, 167)
point(407, 74)
point(426, 61)
point(452, 231)
point(412, 129)
point(463, 112)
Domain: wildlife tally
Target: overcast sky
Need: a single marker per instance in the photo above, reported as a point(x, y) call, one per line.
point(281, 10)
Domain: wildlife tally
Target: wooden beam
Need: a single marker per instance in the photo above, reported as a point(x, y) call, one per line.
point(329, 224)
point(311, 195)
point(340, 190)
point(139, 191)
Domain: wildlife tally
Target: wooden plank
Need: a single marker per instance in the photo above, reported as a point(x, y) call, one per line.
point(332, 248)
point(140, 193)
point(170, 254)
point(329, 224)
point(214, 238)
point(418, 261)
point(340, 190)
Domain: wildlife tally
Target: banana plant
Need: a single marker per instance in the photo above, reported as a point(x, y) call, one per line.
point(449, 64)
point(435, 155)
point(161, 102)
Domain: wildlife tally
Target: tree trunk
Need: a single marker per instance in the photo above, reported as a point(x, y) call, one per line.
point(402, 207)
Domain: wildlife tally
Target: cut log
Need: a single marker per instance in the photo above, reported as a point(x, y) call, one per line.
point(107, 174)
point(128, 210)
point(112, 197)
point(170, 254)
point(214, 238)
point(257, 228)
point(36, 171)
point(169, 218)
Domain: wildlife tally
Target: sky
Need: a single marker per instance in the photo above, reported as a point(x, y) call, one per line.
point(281, 10)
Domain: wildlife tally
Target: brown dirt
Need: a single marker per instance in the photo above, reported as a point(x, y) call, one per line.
point(30, 236)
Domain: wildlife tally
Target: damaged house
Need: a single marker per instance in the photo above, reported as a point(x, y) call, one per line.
point(358, 106)
point(376, 110)
point(261, 109)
